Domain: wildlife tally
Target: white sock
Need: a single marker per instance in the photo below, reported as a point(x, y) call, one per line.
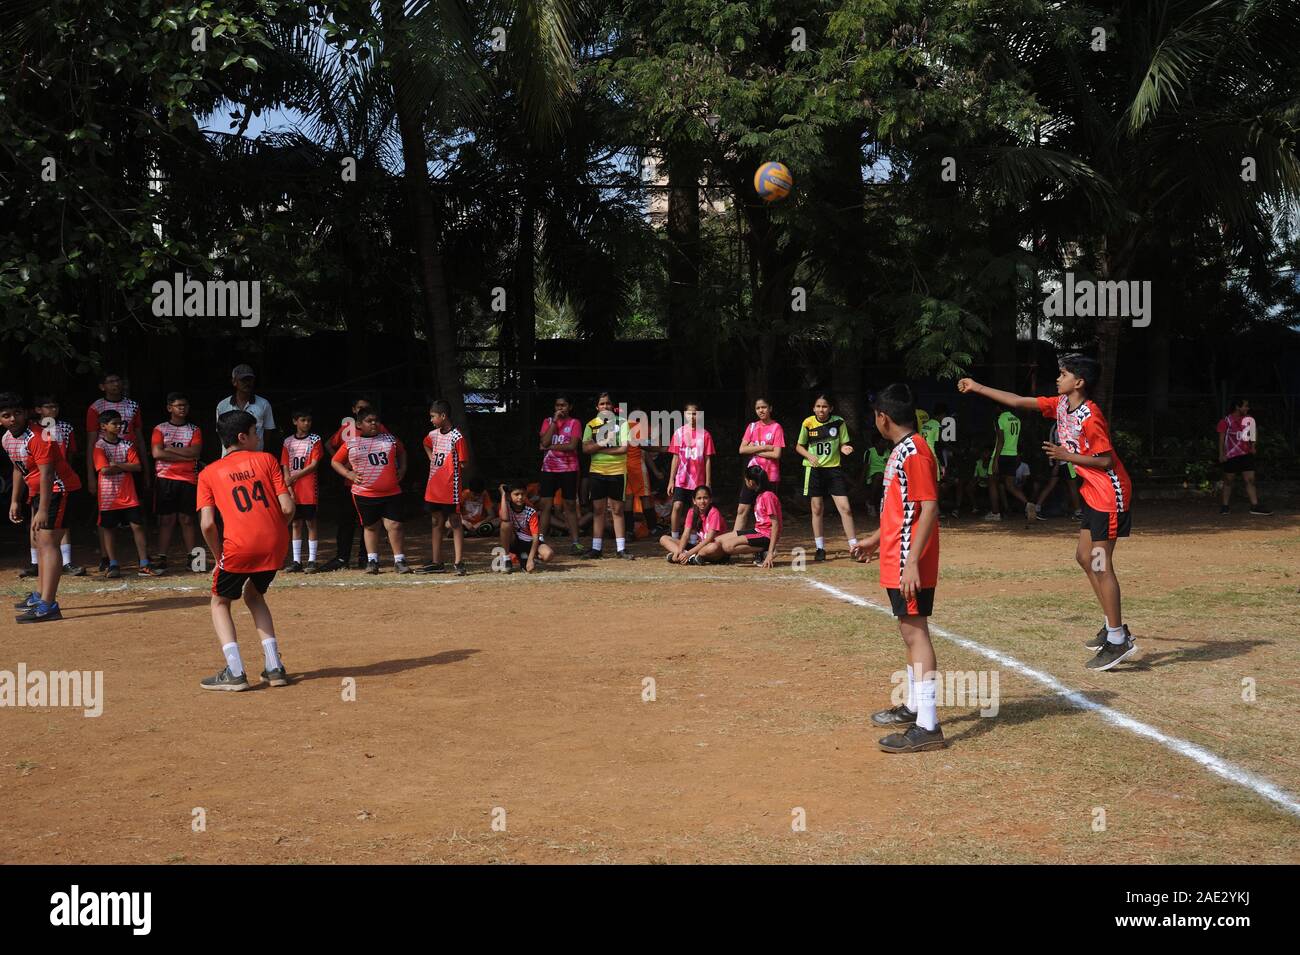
point(399, 557)
point(374, 556)
point(35, 556)
point(233, 660)
point(597, 543)
point(66, 551)
point(271, 652)
point(821, 543)
point(619, 542)
point(311, 550)
point(911, 689)
point(853, 542)
point(297, 551)
point(926, 717)
point(1115, 634)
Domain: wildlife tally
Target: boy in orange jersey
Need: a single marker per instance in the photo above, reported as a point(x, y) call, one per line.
point(176, 444)
point(448, 455)
point(300, 456)
point(246, 487)
point(117, 462)
point(374, 461)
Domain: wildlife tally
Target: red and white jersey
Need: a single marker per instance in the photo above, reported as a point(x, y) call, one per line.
point(116, 491)
point(1084, 431)
point(525, 522)
point(1237, 440)
point(375, 461)
point(296, 454)
point(177, 436)
point(128, 409)
point(31, 449)
point(911, 476)
point(447, 455)
point(65, 435)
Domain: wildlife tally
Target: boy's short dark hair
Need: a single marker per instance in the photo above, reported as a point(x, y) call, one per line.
point(896, 403)
point(1081, 366)
point(231, 425)
point(299, 413)
point(441, 406)
point(41, 400)
point(11, 401)
point(109, 415)
point(107, 375)
point(1235, 402)
point(518, 486)
point(177, 396)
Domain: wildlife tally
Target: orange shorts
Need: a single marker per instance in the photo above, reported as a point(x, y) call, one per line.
point(636, 486)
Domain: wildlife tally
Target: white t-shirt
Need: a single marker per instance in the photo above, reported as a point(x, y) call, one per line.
point(259, 408)
point(1022, 474)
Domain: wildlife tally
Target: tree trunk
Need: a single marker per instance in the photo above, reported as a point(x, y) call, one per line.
point(525, 303)
point(1004, 320)
point(683, 261)
point(439, 325)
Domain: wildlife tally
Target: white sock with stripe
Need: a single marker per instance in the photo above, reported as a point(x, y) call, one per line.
point(821, 543)
point(271, 651)
point(926, 716)
point(311, 550)
point(597, 543)
point(619, 542)
point(297, 551)
point(233, 659)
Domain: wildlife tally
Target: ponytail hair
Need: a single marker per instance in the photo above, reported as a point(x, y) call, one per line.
point(758, 476)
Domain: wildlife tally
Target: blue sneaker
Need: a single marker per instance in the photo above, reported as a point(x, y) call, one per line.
point(28, 602)
point(41, 613)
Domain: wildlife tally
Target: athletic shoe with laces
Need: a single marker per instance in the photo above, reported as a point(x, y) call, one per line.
point(295, 567)
point(29, 570)
point(1099, 641)
point(276, 677)
point(310, 567)
point(593, 554)
point(1112, 653)
point(670, 557)
point(148, 570)
point(438, 568)
point(623, 555)
point(103, 564)
point(992, 516)
point(158, 560)
point(820, 555)
point(899, 715)
point(402, 567)
point(694, 560)
point(1260, 510)
point(74, 570)
point(460, 569)
point(31, 600)
point(225, 680)
point(334, 563)
point(372, 567)
point(41, 613)
point(1038, 513)
point(914, 740)
point(114, 572)
point(758, 560)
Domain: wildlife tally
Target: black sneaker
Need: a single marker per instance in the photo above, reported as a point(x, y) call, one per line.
point(310, 567)
point(1112, 653)
point(671, 558)
point(1038, 513)
point(225, 680)
point(114, 572)
point(593, 554)
point(1099, 641)
point(900, 715)
point(820, 554)
point(28, 602)
point(402, 567)
point(41, 613)
point(74, 570)
point(334, 563)
point(1223, 508)
point(759, 559)
point(694, 560)
point(914, 740)
point(28, 570)
point(623, 555)
point(512, 566)
point(103, 564)
point(1260, 510)
point(276, 677)
point(158, 560)
point(460, 569)
point(372, 567)
point(438, 568)
point(295, 567)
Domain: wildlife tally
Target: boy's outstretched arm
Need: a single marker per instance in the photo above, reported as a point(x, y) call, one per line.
point(972, 386)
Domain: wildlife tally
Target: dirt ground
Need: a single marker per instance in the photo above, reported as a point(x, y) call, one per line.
point(503, 719)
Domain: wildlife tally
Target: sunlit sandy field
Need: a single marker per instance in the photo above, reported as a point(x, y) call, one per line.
point(510, 718)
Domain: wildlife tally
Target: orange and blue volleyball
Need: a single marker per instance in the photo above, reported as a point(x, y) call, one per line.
point(773, 181)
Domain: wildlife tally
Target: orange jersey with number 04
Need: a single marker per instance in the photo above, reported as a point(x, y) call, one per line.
point(244, 487)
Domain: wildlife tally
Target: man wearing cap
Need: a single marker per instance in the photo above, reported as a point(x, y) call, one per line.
point(242, 378)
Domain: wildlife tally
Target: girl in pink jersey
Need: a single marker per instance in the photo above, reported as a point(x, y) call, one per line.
point(692, 451)
point(702, 526)
point(762, 540)
point(762, 441)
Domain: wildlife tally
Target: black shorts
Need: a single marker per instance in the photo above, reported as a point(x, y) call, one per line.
point(607, 486)
point(520, 547)
point(372, 510)
point(921, 605)
point(747, 495)
point(824, 482)
point(1007, 464)
point(756, 540)
point(566, 482)
point(230, 584)
point(441, 507)
point(305, 512)
point(684, 495)
point(1106, 525)
point(1240, 464)
point(58, 510)
point(174, 497)
point(121, 517)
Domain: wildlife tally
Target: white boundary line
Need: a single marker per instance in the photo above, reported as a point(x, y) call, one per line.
point(1198, 754)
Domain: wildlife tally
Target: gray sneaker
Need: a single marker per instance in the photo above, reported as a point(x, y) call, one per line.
point(372, 567)
point(899, 715)
point(1112, 653)
point(1099, 640)
point(276, 677)
point(225, 680)
point(403, 567)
